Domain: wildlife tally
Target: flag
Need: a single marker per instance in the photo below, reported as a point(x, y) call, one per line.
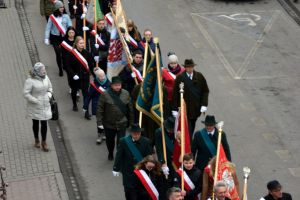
point(177, 146)
point(148, 99)
point(90, 15)
point(224, 174)
point(120, 17)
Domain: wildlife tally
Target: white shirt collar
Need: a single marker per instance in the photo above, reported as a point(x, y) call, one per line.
point(213, 132)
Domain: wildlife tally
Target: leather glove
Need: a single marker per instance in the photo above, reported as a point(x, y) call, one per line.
point(97, 46)
point(47, 41)
point(133, 75)
point(115, 174)
point(75, 77)
point(85, 28)
point(101, 127)
point(165, 170)
point(174, 113)
point(74, 7)
point(49, 95)
point(96, 58)
point(203, 109)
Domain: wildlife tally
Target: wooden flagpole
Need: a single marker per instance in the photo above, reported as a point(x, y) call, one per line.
point(182, 130)
point(123, 44)
point(95, 27)
point(84, 22)
point(156, 40)
point(144, 74)
point(220, 126)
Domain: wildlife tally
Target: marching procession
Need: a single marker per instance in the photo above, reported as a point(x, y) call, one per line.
point(146, 111)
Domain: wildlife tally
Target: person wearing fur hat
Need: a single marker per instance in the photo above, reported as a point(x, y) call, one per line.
point(38, 91)
point(170, 73)
point(195, 94)
point(56, 28)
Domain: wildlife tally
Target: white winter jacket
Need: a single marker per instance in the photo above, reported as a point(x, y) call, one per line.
point(36, 93)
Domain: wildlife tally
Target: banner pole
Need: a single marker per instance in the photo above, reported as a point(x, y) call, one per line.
point(182, 130)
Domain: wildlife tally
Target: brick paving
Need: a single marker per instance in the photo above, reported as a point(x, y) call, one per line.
point(31, 173)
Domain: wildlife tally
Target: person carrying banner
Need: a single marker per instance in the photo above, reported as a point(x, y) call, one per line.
point(80, 65)
point(148, 37)
point(56, 28)
point(150, 181)
point(208, 178)
point(275, 192)
point(205, 142)
point(131, 150)
point(114, 114)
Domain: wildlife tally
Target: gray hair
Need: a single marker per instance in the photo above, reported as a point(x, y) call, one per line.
point(172, 190)
point(219, 184)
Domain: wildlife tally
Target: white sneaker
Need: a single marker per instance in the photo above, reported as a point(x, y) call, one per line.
point(70, 91)
point(99, 140)
point(78, 94)
point(103, 137)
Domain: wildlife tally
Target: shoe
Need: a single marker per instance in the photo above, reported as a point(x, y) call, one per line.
point(87, 115)
point(99, 140)
point(78, 94)
point(110, 157)
point(61, 73)
point(37, 143)
point(70, 91)
point(103, 137)
point(45, 147)
point(75, 108)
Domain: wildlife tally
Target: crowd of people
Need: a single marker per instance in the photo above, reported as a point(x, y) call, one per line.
point(147, 173)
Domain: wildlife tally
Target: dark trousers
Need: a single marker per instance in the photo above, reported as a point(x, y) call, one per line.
point(36, 128)
point(192, 124)
point(57, 50)
point(110, 138)
point(75, 86)
point(131, 194)
point(91, 98)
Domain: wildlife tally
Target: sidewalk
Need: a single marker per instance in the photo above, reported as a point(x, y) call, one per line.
point(30, 173)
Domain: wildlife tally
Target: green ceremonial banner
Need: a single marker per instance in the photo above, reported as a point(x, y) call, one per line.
point(90, 17)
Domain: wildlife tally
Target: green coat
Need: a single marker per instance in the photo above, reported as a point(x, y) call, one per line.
point(193, 105)
point(125, 162)
point(46, 7)
point(200, 148)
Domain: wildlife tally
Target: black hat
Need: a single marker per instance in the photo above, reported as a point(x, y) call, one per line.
point(116, 79)
point(169, 123)
point(210, 120)
point(272, 185)
point(189, 63)
point(135, 128)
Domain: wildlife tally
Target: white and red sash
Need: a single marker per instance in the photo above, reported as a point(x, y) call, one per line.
point(58, 25)
point(81, 59)
point(147, 183)
point(99, 89)
point(98, 38)
point(188, 184)
point(66, 46)
point(169, 74)
point(109, 19)
point(138, 74)
point(132, 41)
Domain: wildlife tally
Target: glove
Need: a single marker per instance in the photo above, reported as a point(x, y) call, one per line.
point(74, 7)
point(82, 16)
point(101, 127)
point(97, 46)
point(75, 77)
point(203, 109)
point(47, 41)
point(133, 75)
point(115, 174)
point(49, 95)
point(85, 28)
point(96, 58)
point(165, 170)
point(174, 113)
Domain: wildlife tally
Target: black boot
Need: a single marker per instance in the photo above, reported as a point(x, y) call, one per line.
point(75, 108)
point(87, 115)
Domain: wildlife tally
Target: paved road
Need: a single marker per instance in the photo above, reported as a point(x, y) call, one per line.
point(251, 64)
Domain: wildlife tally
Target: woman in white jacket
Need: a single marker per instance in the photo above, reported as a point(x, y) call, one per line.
point(37, 91)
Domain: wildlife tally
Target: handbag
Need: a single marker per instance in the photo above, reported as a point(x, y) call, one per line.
point(54, 108)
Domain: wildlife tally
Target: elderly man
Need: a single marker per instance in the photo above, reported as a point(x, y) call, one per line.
point(131, 150)
point(205, 143)
point(275, 192)
point(174, 193)
point(195, 94)
point(114, 114)
point(220, 191)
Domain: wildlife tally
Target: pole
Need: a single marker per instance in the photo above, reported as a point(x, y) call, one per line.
point(246, 171)
point(182, 129)
point(220, 125)
point(144, 74)
point(160, 99)
point(123, 44)
point(84, 22)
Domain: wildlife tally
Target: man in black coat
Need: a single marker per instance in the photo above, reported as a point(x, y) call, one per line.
point(195, 94)
point(205, 143)
point(275, 192)
point(220, 189)
point(131, 150)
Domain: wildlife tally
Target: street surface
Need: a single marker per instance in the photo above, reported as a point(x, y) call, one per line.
point(249, 53)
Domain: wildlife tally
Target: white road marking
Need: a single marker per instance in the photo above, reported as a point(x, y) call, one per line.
point(249, 20)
